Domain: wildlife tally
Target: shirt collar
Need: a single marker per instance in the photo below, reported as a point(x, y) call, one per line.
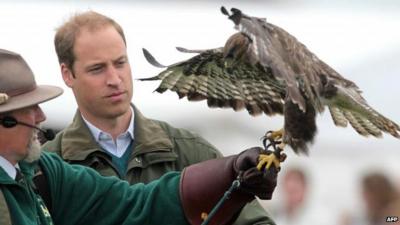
point(96, 132)
point(8, 167)
point(131, 127)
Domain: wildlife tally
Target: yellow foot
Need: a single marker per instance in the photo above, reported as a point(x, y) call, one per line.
point(274, 135)
point(265, 161)
point(273, 158)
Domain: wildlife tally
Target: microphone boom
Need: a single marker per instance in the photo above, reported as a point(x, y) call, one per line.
point(9, 122)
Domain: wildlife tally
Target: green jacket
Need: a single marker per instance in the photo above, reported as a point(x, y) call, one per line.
point(84, 197)
point(158, 148)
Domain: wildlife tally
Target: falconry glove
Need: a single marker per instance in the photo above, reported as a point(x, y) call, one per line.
point(253, 181)
point(203, 184)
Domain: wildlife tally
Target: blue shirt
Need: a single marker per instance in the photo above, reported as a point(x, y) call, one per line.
point(105, 140)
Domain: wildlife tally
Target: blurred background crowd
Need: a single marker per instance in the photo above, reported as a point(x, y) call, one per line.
point(377, 193)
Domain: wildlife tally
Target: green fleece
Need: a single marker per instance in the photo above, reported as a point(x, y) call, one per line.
point(81, 196)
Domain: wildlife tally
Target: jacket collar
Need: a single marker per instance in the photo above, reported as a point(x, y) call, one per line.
point(26, 168)
point(149, 135)
point(77, 142)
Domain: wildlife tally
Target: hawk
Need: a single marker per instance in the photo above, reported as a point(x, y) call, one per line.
point(268, 71)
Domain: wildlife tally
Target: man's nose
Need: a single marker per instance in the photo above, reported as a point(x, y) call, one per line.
point(113, 77)
point(39, 115)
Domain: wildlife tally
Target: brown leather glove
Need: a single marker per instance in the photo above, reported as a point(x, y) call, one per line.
point(203, 184)
point(253, 181)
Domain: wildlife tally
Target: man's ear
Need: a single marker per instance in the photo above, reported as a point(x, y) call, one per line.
point(67, 75)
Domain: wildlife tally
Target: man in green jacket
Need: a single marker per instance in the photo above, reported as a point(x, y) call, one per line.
point(80, 195)
point(109, 134)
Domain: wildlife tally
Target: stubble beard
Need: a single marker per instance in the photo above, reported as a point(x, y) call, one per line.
point(34, 149)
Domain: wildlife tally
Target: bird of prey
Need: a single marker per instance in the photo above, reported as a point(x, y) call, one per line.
point(266, 70)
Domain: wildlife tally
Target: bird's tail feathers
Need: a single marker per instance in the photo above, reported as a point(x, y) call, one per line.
point(369, 123)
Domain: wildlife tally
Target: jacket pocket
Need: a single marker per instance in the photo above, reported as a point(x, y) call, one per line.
point(148, 159)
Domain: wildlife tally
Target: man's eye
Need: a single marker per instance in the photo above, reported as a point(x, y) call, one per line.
point(121, 63)
point(95, 69)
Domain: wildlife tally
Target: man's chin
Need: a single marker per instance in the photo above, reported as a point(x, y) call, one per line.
point(117, 112)
point(34, 150)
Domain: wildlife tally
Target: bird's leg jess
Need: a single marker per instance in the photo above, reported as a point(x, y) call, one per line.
point(276, 157)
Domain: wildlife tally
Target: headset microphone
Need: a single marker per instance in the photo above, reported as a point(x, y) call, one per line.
point(9, 122)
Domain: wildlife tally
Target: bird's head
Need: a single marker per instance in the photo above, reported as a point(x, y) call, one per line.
point(236, 49)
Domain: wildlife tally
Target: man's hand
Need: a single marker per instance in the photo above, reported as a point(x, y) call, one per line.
point(253, 181)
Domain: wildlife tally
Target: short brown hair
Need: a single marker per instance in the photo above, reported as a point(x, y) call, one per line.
point(64, 39)
point(381, 187)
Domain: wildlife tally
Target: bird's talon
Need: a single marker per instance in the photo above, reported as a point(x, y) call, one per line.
point(266, 161)
point(269, 163)
point(282, 157)
point(274, 136)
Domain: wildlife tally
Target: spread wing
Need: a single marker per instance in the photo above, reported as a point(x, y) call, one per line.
point(308, 79)
point(288, 58)
point(205, 76)
point(266, 70)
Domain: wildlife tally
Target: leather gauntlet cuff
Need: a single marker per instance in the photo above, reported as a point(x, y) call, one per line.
point(202, 185)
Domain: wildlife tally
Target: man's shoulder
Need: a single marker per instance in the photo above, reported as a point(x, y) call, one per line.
point(175, 132)
point(182, 133)
point(55, 144)
point(50, 161)
point(188, 141)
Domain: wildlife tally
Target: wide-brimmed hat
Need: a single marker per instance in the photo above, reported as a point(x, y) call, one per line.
point(18, 88)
